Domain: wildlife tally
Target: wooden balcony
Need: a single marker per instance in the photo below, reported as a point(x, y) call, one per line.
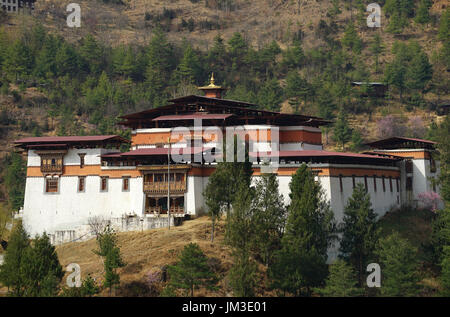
point(159, 211)
point(56, 168)
point(176, 187)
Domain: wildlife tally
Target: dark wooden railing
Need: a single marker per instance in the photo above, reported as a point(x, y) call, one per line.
point(51, 168)
point(161, 187)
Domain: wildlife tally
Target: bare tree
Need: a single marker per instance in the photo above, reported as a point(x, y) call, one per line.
point(97, 224)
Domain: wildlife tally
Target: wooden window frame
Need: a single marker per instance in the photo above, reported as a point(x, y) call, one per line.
point(106, 179)
point(384, 184)
point(81, 184)
point(126, 184)
point(341, 185)
point(82, 159)
point(47, 185)
point(375, 183)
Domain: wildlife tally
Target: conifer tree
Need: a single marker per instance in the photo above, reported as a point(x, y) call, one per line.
point(419, 72)
point(11, 274)
point(108, 249)
point(224, 183)
point(359, 231)
point(269, 217)
point(376, 48)
point(240, 236)
point(189, 69)
point(398, 261)
point(41, 269)
point(351, 39)
point(243, 275)
point(422, 13)
point(300, 265)
point(293, 56)
point(342, 131)
point(270, 95)
point(191, 271)
point(341, 281)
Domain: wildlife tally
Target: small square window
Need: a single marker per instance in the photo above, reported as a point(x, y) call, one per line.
point(51, 185)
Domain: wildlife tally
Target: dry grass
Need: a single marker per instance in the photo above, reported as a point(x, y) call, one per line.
point(150, 250)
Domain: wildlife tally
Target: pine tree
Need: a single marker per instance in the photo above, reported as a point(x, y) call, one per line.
point(301, 262)
point(11, 274)
point(237, 49)
point(191, 271)
point(92, 54)
point(351, 39)
point(376, 48)
point(14, 179)
point(270, 95)
point(243, 275)
point(189, 68)
point(108, 249)
point(342, 131)
point(359, 231)
point(20, 60)
point(398, 261)
point(293, 56)
point(422, 13)
point(419, 72)
point(223, 185)
point(66, 60)
point(341, 281)
point(357, 141)
point(269, 218)
point(41, 269)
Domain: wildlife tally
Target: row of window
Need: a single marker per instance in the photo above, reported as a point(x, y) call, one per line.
point(52, 184)
point(383, 182)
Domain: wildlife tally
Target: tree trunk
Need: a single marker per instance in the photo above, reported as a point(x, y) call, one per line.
point(212, 229)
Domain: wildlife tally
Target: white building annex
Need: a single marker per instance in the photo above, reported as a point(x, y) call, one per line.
point(75, 181)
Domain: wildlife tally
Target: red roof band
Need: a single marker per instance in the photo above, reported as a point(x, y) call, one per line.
point(71, 139)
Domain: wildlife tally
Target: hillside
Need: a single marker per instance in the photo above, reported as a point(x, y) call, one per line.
point(290, 56)
point(149, 251)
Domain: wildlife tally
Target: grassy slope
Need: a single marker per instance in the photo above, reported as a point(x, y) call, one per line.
point(150, 250)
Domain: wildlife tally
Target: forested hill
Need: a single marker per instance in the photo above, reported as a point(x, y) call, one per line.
point(293, 56)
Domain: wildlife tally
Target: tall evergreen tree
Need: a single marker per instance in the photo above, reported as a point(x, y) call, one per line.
point(300, 265)
point(376, 48)
point(342, 131)
point(41, 269)
point(359, 231)
point(11, 274)
point(108, 249)
point(419, 72)
point(269, 218)
point(398, 261)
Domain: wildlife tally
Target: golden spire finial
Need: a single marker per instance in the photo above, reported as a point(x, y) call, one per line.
point(212, 79)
